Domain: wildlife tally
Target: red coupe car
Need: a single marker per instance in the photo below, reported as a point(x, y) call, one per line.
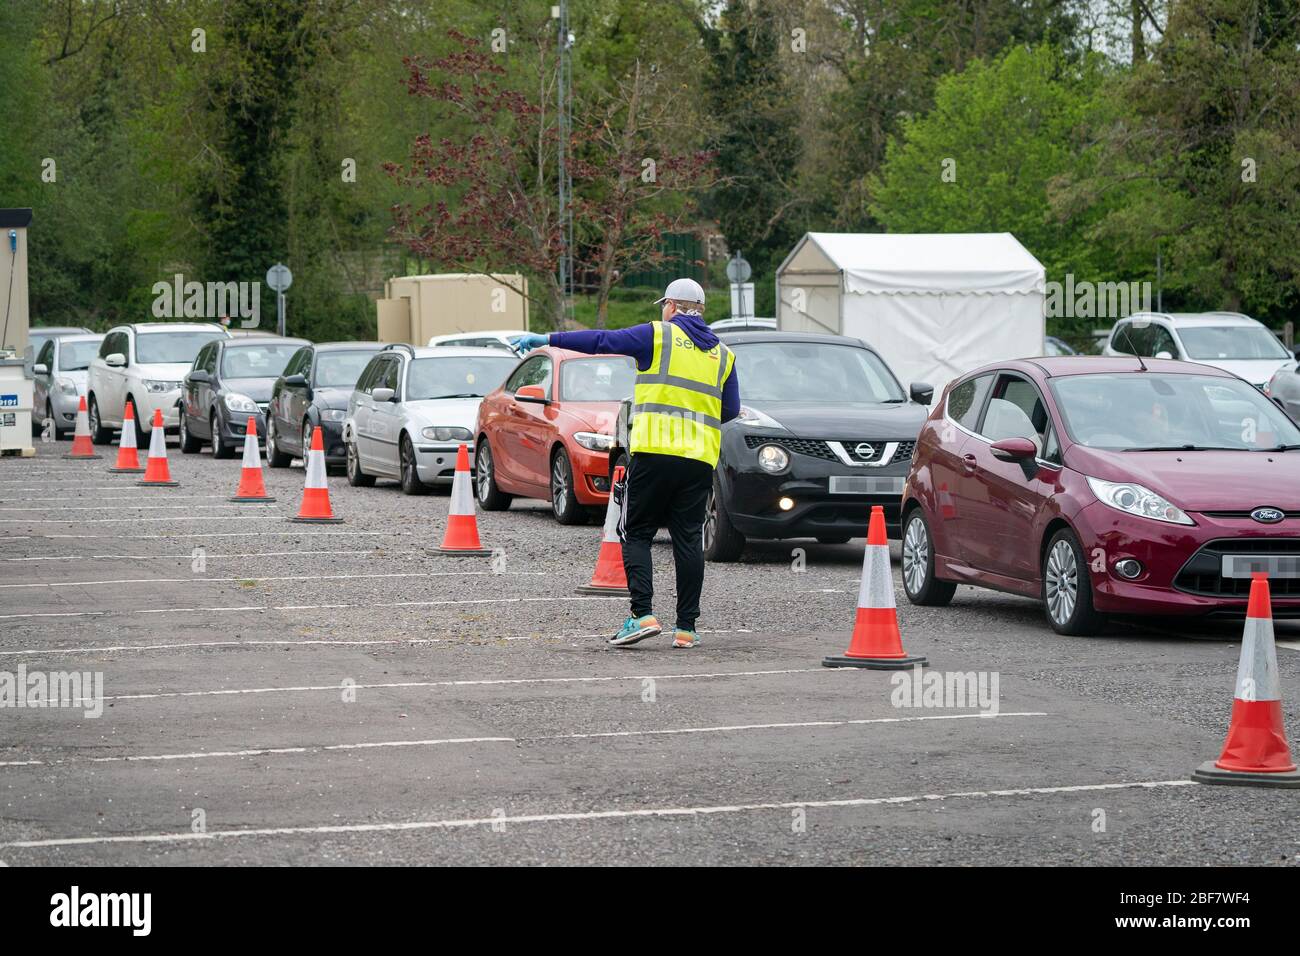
point(547, 431)
point(1105, 486)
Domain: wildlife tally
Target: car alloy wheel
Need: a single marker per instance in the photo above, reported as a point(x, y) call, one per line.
point(1062, 582)
point(93, 420)
point(916, 555)
point(483, 472)
point(710, 529)
point(306, 440)
point(410, 481)
point(560, 485)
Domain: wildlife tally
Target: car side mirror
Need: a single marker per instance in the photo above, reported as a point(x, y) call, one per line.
point(199, 375)
point(40, 369)
point(115, 360)
point(297, 380)
point(922, 393)
point(532, 393)
point(1015, 449)
point(383, 394)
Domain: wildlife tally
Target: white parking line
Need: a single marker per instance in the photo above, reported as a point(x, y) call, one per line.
point(309, 642)
point(300, 607)
point(200, 579)
point(287, 532)
point(1289, 645)
point(482, 682)
point(143, 496)
point(589, 815)
point(244, 517)
point(367, 552)
point(532, 738)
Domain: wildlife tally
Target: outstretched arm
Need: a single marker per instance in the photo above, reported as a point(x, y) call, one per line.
point(637, 341)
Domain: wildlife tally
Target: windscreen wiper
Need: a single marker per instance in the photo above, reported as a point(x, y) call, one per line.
point(1186, 448)
point(457, 395)
point(1281, 448)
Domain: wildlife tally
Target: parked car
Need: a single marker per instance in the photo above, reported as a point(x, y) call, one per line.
point(230, 382)
point(1055, 346)
point(60, 373)
point(37, 337)
point(503, 339)
point(411, 410)
point(1228, 340)
point(1102, 489)
point(1284, 389)
point(547, 431)
point(313, 392)
point(825, 433)
point(751, 324)
point(145, 363)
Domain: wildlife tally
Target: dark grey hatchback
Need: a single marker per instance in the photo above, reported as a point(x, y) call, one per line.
point(825, 432)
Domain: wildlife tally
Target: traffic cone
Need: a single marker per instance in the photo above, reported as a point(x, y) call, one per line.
point(155, 470)
point(1255, 752)
point(82, 446)
point(128, 456)
point(876, 642)
point(610, 577)
point(461, 536)
point(251, 487)
point(316, 495)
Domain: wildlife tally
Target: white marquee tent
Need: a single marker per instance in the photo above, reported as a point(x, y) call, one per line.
point(933, 305)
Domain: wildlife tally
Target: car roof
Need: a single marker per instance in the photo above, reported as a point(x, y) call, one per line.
point(261, 341)
point(1191, 319)
point(777, 335)
point(58, 329)
point(80, 337)
point(478, 333)
point(1060, 366)
point(350, 346)
point(457, 351)
point(173, 327)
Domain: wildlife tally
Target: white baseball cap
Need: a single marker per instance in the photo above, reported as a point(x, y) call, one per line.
point(683, 290)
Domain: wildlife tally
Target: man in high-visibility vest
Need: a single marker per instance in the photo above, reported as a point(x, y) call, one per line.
point(686, 387)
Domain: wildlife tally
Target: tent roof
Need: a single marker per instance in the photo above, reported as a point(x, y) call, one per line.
point(920, 262)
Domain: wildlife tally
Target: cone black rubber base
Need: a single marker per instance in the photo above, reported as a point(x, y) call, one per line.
point(608, 592)
point(315, 520)
point(83, 457)
point(874, 663)
point(1209, 773)
point(127, 471)
point(251, 500)
point(158, 484)
point(471, 553)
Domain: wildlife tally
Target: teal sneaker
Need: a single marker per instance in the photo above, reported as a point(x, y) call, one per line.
point(685, 638)
point(635, 629)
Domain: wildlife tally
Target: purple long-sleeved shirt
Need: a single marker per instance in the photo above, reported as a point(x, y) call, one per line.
point(639, 342)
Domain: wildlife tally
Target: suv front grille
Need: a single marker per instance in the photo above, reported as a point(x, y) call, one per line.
point(817, 448)
point(1202, 574)
point(803, 446)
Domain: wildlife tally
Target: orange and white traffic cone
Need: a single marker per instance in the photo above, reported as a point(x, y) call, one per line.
point(82, 446)
point(128, 456)
point(610, 577)
point(1256, 752)
point(461, 536)
point(316, 494)
point(251, 486)
point(876, 642)
point(155, 469)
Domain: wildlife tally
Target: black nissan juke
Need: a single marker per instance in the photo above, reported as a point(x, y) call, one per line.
point(825, 432)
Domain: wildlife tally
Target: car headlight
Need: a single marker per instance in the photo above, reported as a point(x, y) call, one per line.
point(333, 414)
point(67, 386)
point(158, 387)
point(446, 433)
point(756, 419)
point(241, 403)
point(594, 441)
point(773, 459)
point(1135, 500)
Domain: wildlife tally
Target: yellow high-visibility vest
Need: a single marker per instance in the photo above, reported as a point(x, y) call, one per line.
point(677, 402)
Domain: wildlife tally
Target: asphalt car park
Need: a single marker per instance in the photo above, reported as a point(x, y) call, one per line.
point(282, 693)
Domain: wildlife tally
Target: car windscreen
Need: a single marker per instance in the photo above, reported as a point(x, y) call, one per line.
point(1135, 411)
point(162, 348)
point(457, 376)
point(340, 369)
point(74, 356)
point(608, 378)
point(1211, 343)
point(812, 372)
point(256, 361)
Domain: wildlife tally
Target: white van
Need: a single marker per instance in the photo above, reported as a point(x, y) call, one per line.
point(145, 363)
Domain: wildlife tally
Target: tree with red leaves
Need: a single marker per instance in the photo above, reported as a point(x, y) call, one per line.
point(496, 209)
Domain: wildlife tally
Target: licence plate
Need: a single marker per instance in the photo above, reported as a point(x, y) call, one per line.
point(1274, 565)
point(864, 485)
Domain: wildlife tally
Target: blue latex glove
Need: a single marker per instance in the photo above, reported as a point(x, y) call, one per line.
point(531, 340)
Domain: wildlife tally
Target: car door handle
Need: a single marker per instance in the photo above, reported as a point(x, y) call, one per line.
point(968, 463)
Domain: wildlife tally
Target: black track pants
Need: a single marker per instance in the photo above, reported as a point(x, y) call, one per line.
point(665, 490)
